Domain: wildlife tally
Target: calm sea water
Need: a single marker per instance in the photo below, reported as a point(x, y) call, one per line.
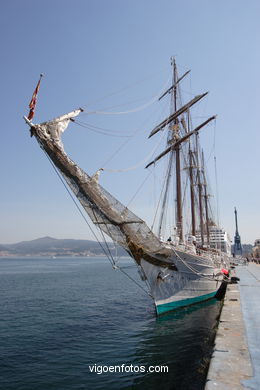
point(60, 316)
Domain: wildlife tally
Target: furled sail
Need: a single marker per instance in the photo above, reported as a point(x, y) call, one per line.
point(112, 217)
point(57, 126)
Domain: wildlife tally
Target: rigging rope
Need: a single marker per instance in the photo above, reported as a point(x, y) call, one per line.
point(139, 188)
point(133, 280)
point(108, 253)
point(100, 130)
point(161, 196)
point(192, 269)
point(217, 194)
point(80, 211)
point(125, 143)
point(213, 149)
point(140, 163)
point(136, 109)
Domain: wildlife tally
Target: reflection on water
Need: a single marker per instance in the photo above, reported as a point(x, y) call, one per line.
point(182, 340)
point(59, 316)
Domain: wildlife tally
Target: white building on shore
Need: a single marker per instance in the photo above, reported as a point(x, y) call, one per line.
point(256, 249)
point(218, 239)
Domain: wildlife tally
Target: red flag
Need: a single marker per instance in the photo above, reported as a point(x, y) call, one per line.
point(34, 100)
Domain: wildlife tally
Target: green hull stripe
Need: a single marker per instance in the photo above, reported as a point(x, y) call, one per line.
point(164, 307)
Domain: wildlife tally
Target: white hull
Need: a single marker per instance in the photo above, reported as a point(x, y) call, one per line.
point(194, 280)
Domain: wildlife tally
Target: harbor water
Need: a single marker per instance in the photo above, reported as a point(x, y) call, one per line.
point(64, 320)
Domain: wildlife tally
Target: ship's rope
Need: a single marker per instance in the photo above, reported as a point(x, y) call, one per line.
point(160, 197)
point(106, 250)
point(128, 86)
point(140, 163)
point(136, 109)
point(100, 130)
point(191, 268)
point(114, 134)
point(107, 253)
point(130, 111)
point(134, 281)
point(138, 190)
point(129, 138)
point(133, 167)
point(213, 149)
point(104, 240)
point(217, 194)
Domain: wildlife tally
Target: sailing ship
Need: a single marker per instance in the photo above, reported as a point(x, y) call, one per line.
point(179, 271)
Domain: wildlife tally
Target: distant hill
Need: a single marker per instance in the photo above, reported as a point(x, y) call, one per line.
point(48, 246)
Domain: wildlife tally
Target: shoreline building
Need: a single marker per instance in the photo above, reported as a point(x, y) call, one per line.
point(218, 239)
point(256, 249)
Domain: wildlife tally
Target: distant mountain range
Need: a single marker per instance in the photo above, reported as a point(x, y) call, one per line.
point(48, 246)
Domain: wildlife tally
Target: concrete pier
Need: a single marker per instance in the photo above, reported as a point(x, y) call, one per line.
point(235, 363)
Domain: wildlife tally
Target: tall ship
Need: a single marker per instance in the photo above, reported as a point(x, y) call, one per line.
point(176, 261)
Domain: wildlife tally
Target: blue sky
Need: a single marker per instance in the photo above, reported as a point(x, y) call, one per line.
point(90, 49)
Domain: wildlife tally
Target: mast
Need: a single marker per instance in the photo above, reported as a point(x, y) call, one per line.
point(200, 191)
point(174, 144)
point(173, 139)
point(206, 200)
point(179, 194)
point(170, 140)
point(179, 217)
point(192, 195)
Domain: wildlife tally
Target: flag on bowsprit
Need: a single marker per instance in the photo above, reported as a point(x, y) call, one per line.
point(33, 101)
